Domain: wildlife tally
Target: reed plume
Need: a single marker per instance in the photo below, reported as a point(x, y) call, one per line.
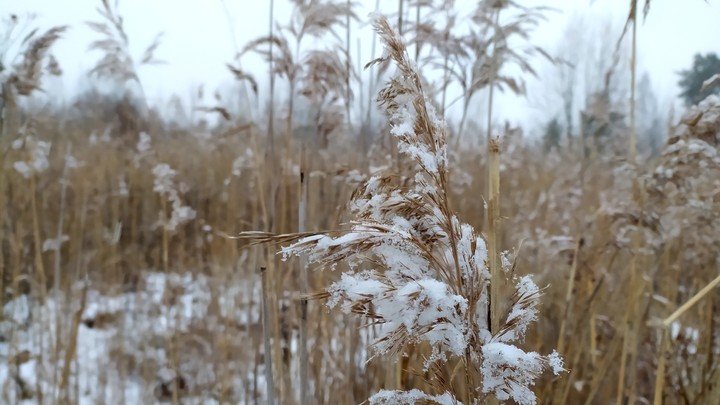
point(416, 270)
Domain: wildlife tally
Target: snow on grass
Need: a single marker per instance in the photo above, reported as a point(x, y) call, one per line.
point(411, 397)
point(124, 352)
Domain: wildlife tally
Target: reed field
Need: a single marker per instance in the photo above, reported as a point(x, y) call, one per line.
point(331, 236)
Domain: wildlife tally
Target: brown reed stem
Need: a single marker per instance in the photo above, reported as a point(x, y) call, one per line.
point(568, 299)
point(57, 264)
point(660, 370)
point(266, 338)
point(493, 236)
point(37, 239)
point(302, 218)
point(493, 210)
point(633, 70)
point(494, 231)
point(629, 333)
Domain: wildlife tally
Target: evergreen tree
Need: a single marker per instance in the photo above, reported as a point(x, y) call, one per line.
point(553, 131)
point(691, 80)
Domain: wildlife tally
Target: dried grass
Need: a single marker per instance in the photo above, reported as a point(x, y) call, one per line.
point(574, 232)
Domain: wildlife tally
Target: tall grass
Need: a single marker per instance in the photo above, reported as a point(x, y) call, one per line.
point(112, 292)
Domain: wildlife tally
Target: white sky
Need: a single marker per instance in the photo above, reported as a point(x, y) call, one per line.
point(200, 37)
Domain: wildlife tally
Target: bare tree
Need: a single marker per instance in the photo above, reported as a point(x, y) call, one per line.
point(588, 75)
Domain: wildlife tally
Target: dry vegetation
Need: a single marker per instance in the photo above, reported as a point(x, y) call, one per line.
point(121, 280)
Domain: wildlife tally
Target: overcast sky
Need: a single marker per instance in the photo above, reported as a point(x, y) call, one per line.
point(200, 36)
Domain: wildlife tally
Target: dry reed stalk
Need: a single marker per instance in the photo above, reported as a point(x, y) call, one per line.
point(371, 82)
point(165, 238)
point(493, 237)
point(568, 383)
point(270, 152)
point(58, 263)
point(417, 29)
point(5, 254)
point(599, 374)
point(667, 322)
point(714, 396)
point(40, 343)
point(8, 113)
point(71, 347)
point(637, 285)
point(592, 321)
point(633, 69)
point(491, 79)
point(401, 3)
point(268, 351)
point(493, 213)
point(663, 353)
point(568, 300)
point(348, 65)
point(304, 284)
point(37, 239)
point(271, 220)
point(626, 333)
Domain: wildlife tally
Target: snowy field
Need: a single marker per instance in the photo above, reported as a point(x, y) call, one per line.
point(132, 347)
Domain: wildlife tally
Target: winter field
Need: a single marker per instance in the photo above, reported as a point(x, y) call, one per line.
point(328, 232)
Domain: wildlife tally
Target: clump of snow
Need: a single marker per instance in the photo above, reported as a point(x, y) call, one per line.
point(143, 148)
point(509, 372)
point(37, 157)
point(242, 162)
point(54, 244)
point(122, 190)
point(412, 397)
point(165, 186)
point(425, 310)
point(144, 144)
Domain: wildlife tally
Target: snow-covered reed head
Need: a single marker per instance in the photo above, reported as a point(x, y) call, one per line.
point(416, 270)
point(165, 186)
point(37, 153)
